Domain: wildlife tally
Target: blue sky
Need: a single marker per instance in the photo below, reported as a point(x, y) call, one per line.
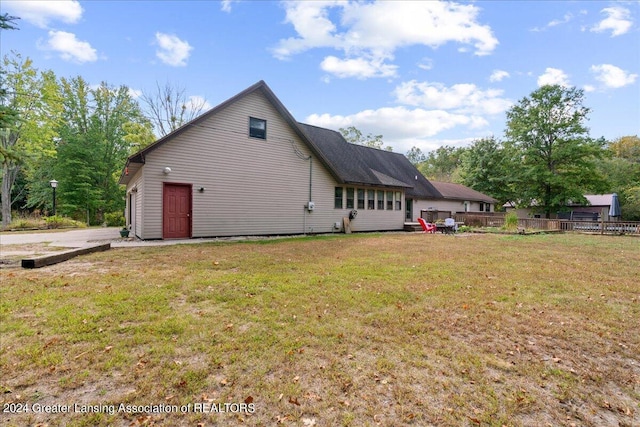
point(421, 73)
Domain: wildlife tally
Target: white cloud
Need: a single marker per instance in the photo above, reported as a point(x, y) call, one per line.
point(135, 93)
point(554, 23)
point(402, 127)
point(70, 48)
point(225, 5)
point(196, 102)
point(40, 13)
point(553, 76)
point(461, 98)
point(565, 19)
point(618, 21)
point(612, 77)
point(172, 51)
point(498, 75)
point(360, 68)
point(426, 64)
point(374, 31)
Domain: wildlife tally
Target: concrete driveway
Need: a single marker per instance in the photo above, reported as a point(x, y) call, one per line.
point(70, 239)
point(79, 238)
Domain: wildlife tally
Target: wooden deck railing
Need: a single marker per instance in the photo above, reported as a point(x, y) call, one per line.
point(603, 227)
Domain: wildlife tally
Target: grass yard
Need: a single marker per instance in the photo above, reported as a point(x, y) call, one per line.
point(360, 330)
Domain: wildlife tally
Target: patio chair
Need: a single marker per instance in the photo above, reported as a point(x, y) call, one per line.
point(450, 225)
point(427, 227)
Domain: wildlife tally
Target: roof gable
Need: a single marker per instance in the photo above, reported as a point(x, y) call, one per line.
point(139, 157)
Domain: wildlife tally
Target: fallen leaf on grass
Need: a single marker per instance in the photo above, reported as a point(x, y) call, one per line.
point(82, 354)
point(294, 400)
point(248, 400)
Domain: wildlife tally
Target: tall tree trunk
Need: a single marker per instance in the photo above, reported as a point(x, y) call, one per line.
point(8, 176)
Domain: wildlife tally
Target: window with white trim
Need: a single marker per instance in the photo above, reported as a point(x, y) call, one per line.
point(350, 198)
point(371, 199)
point(337, 203)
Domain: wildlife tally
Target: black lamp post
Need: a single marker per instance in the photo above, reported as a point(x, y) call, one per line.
point(54, 184)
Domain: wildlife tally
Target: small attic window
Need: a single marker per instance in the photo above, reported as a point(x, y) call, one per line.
point(257, 128)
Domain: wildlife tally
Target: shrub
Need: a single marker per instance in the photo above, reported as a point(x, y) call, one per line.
point(511, 221)
point(114, 219)
point(57, 221)
point(25, 223)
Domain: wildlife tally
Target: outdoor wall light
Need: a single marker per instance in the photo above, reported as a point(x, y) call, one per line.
point(167, 170)
point(201, 189)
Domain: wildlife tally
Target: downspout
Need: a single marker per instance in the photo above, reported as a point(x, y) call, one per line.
point(310, 176)
point(306, 209)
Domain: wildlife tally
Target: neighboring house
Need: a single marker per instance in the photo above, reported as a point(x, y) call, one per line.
point(596, 209)
point(247, 167)
point(456, 198)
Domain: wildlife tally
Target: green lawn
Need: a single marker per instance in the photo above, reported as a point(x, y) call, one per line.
point(383, 329)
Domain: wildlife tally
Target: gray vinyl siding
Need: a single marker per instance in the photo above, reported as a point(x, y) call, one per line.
point(251, 186)
point(372, 219)
point(444, 205)
point(136, 223)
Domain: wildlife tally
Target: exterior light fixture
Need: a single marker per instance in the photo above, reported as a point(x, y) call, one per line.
point(54, 185)
point(167, 170)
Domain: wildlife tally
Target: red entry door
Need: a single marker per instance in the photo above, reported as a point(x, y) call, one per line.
point(176, 208)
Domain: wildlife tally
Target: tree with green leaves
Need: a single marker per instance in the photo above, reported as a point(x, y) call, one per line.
point(8, 115)
point(95, 140)
point(30, 135)
point(487, 167)
point(415, 156)
point(8, 22)
point(353, 135)
point(546, 131)
point(443, 164)
point(621, 169)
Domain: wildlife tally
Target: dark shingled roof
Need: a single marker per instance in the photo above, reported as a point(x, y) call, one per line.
point(357, 164)
point(449, 190)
